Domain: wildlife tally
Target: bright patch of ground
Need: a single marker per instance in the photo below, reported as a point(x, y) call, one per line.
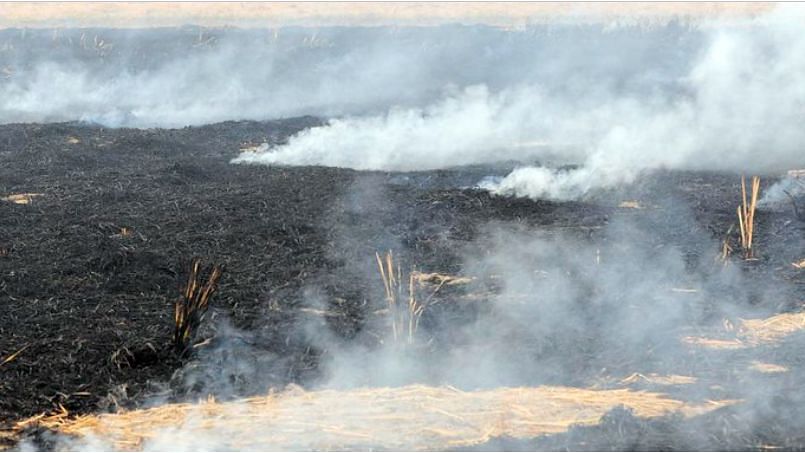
point(414, 417)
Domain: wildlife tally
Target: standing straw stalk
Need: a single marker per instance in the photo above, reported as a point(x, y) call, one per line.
point(746, 216)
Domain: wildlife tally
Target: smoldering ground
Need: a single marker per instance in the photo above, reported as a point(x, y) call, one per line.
point(552, 305)
point(575, 292)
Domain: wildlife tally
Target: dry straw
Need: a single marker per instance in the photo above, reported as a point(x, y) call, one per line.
point(746, 216)
point(404, 308)
point(413, 417)
point(193, 303)
point(755, 332)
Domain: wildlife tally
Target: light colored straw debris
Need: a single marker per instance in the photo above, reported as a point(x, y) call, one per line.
point(767, 368)
point(21, 198)
point(630, 204)
point(755, 332)
point(658, 379)
point(414, 417)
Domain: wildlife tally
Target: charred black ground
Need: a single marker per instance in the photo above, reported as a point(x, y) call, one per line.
point(89, 304)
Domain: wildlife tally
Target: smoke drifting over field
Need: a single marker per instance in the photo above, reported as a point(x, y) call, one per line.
point(616, 100)
point(569, 305)
point(732, 103)
point(191, 76)
point(560, 300)
point(564, 310)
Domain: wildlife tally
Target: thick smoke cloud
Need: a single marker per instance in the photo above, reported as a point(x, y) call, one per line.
point(183, 79)
point(733, 104)
point(189, 76)
point(616, 102)
point(468, 126)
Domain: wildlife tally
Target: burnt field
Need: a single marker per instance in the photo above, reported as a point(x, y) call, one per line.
point(94, 256)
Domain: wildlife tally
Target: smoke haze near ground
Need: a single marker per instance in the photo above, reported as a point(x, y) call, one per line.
point(731, 103)
point(617, 100)
point(612, 102)
point(191, 76)
point(564, 310)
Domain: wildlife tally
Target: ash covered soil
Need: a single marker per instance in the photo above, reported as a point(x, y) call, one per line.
point(91, 267)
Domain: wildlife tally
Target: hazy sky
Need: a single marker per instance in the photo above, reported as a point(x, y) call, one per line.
point(260, 14)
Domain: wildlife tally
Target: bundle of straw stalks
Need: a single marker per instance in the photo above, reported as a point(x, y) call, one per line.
point(192, 304)
point(405, 309)
point(746, 216)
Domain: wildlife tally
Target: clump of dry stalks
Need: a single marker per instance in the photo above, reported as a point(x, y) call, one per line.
point(405, 309)
point(746, 216)
point(746, 222)
point(192, 304)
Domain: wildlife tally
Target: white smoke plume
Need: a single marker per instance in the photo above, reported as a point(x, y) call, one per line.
point(192, 75)
point(730, 102)
point(467, 126)
point(736, 108)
